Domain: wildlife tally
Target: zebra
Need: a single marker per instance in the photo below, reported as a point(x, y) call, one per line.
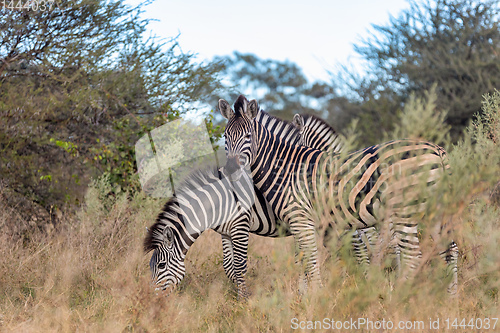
point(316, 133)
point(306, 187)
point(206, 200)
point(310, 131)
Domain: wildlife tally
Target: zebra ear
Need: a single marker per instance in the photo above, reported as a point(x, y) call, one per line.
point(298, 121)
point(252, 109)
point(225, 109)
point(168, 235)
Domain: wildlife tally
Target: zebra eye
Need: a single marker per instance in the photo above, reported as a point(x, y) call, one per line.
point(162, 265)
point(248, 135)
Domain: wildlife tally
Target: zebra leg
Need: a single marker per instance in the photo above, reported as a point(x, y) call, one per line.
point(397, 252)
point(364, 242)
point(372, 236)
point(305, 239)
point(450, 255)
point(408, 245)
point(228, 257)
point(240, 250)
point(360, 249)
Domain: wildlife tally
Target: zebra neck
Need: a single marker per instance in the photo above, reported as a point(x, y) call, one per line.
point(186, 233)
point(277, 162)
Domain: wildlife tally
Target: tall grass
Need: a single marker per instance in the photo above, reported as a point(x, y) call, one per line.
point(91, 274)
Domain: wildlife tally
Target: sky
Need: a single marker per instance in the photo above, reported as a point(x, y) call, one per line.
point(317, 35)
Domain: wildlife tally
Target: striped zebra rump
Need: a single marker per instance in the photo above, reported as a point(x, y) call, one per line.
point(386, 186)
point(356, 188)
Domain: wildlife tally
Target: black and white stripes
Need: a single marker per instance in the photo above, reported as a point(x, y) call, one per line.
point(375, 193)
point(207, 200)
point(308, 188)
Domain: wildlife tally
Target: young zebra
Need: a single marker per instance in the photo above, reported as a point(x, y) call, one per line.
point(307, 187)
point(207, 200)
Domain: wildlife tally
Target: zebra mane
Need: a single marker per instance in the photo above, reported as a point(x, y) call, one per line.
point(198, 178)
point(279, 127)
point(311, 120)
point(154, 235)
point(240, 106)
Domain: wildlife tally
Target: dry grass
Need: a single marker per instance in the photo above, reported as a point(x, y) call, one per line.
point(91, 275)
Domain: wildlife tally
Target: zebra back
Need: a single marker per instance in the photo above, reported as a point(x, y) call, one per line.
point(206, 199)
point(388, 174)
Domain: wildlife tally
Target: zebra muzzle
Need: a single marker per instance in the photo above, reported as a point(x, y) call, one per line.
point(165, 289)
point(233, 165)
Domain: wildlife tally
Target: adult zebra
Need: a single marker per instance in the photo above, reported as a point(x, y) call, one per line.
point(307, 187)
point(316, 133)
point(304, 130)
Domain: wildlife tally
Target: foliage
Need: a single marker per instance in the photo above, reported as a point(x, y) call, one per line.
point(451, 43)
point(420, 119)
point(280, 86)
point(215, 132)
point(375, 116)
point(79, 85)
